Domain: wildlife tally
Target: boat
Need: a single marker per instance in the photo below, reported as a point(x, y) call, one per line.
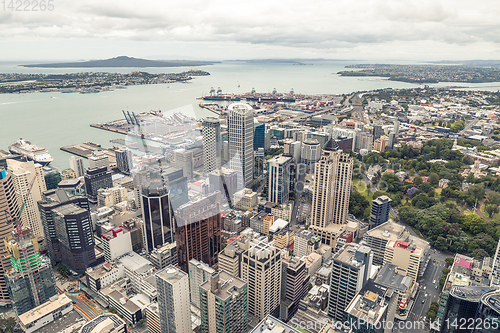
point(31, 152)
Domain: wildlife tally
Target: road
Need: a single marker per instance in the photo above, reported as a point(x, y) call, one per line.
point(90, 312)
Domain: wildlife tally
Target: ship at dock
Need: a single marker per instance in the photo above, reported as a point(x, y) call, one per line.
point(219, 96)
point(31, 152)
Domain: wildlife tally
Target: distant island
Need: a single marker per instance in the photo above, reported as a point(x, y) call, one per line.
point(123, 61)
point(426, 73)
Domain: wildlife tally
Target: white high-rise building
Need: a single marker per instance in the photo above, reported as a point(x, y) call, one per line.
point(261, 270)
point(98, 160)
point(211, 144)
point(23, 174)
point(199, 273)
point(173, 301)
point(278, 179)
point(495, 272)
point(184, 160)
point(76, 163)
point(240, 126)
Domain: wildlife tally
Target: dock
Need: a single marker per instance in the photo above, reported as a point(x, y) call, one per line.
point(85, 150)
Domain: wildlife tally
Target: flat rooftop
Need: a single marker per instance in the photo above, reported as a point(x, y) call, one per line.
point(387, 230)
point(229, 285)
point(134, 261)
point(171, 274)
point(390, 277)
point(44, 309)
point(96, 325)
point(273, 325)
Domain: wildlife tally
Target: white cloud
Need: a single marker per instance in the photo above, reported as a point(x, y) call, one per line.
point(343, 28)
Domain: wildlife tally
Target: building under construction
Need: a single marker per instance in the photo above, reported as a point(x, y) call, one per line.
point(30, 282)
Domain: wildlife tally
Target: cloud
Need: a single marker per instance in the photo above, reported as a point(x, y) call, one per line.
point(314, 25)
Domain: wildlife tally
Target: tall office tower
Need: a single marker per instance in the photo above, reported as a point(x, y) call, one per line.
point(380, 210)
point(225, 181)
point(184, 160)
point(396, 127)
point(240, 123)
point(310, 152)
point(123, 160)
point(223, 304)
point(377, 238)
point(198, 231)
point(261, 270)
point(364, 140)
point(96, 179)
point(260, 160)
point(259, 137)
point(210, 130)
point(74, 230)
point(405, 255)
point(52, 177)
point(158, 227)
point(332, 189)
point(76, 163)
point(377, 131)
point(392, 140)
point(174, 309)
point(53, 199)
point(98, 160)
point(294, 287)
point(351, 270)
point(199, 273)
point(24, 174)
point(9, 210)
point(495, 270)
point(30, 282)
point(278, 179)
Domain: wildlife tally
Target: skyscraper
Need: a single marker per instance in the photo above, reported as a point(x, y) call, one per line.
point(9, 210)
point(495, 270)
point(198, 231)
point(261, 270)
point(310, 152)
point(96, 179)
point(212, 147)
point(53, 199)
point(52, 177)
point(332, 189)
point(184, 160)
point(278, 179)
point(199, 273)
point(123, 159)
point(259, 139)
point(380, 210)
point(157, 215)
point(223, 304)
point(173, 301)
point(351, 270)
point(76, 163)
point(241, 159)
point(294, 288)
point(24, 174)
point(30, 282)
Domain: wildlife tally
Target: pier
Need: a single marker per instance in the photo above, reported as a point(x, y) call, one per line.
point(85, 150)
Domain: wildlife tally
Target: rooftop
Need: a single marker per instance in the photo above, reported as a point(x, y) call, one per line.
point(229, 286)
point(44, 309)
point(391, 277)
point(273, 325)
point(171, 274)
point(369, 304)
point(387, 230)
point(100, 323)
point(134, 262)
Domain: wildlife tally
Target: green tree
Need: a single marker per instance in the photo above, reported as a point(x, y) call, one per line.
point(477, 191)
point(491, 210)
point(434, 179)
point(494, 198)
point(449, 261)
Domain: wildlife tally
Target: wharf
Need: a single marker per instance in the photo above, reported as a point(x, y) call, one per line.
point(85, 150)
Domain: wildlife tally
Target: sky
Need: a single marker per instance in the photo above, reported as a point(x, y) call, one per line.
point(426, 30)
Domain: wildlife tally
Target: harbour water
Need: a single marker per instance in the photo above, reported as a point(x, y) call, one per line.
point(53, 120)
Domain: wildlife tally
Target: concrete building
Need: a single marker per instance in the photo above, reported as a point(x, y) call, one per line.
point(225, 181)
point(103, 275)
point(261, 270)
point(109, 323)
point(23, 174)
point(68, 174)
point(153, 318)
point(158, 227)
point(173, 303)
point(44, 314)
point(241, 132)
point(278, 179)
point(381, 208)
point(223, 304)
point(76, 164)
point(295, 285)
point(306, 242)
point(379, 145)
point(141, 274)
point(271, 324)
point(164, 256)
point(199, 273)
point(116, 242)
point(363, 140)
point(95, 179)
point(230, 259)
point(332, 190)
point(310, 152)
point(245, 199)
point(29, 282)
point(98, 160)
point(405, 255)
point(9, 206)
point(52, 177)
point(212, 148)
point(378, 237)
point(111, 196)
point(351, 270)
point(198, 231)
point(495, 269)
